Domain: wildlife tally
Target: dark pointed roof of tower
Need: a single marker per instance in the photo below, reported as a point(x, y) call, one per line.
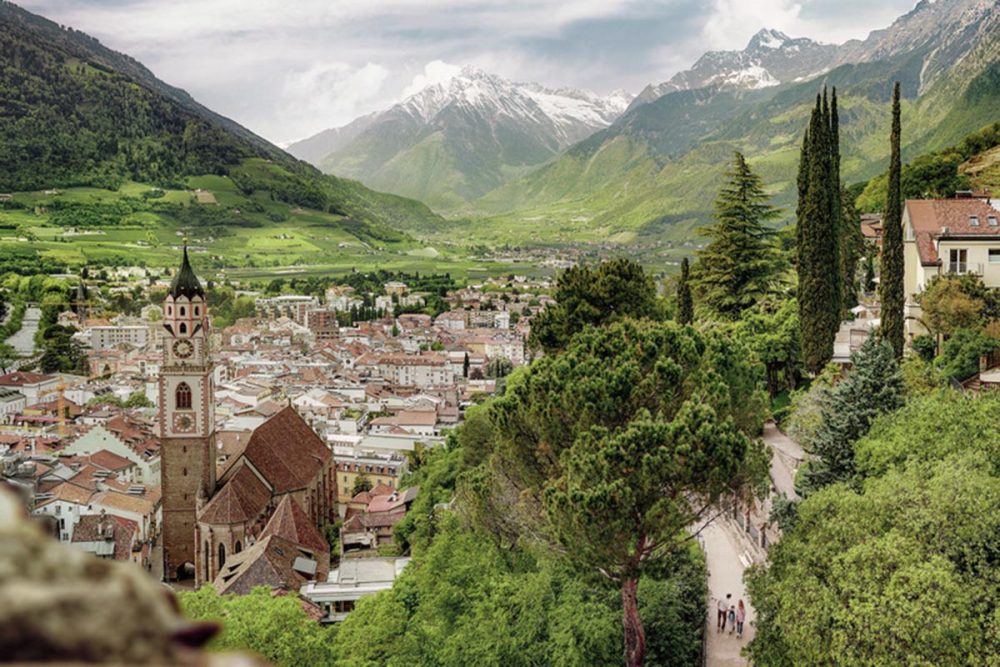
point(185, 282)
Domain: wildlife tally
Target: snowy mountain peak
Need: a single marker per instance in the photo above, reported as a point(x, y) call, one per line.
point(492, 95)
point(768, 39)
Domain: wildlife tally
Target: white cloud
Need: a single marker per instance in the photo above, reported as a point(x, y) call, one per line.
point(734, 22)
point(435, 72)
point(326, 95)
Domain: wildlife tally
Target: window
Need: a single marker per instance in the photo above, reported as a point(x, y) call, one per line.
point(973, 220)
point(958, 260)
point(170, 310)
point(196, 311)
point(222, 555)
point(238, 547)
point(183, 328)
point(183, 396)
point(991, 220)
point(183, 311)
point(994, 255)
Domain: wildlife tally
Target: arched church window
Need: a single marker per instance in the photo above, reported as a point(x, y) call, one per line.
point(183, 396)
point(170, 310)
point(183, 328)
point(182, 311)
point(237, 547)
point(197, 311)
point(206, 553)
point(222, 555)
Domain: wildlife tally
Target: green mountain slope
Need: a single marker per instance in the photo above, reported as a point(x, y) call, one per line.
point(654, 173)
point(74, 113)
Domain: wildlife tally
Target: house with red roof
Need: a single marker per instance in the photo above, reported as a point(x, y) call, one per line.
point(948, 236)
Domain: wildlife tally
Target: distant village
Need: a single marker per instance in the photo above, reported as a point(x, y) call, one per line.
point(273, 451)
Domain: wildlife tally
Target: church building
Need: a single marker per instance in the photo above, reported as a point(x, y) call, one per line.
point(212, 515)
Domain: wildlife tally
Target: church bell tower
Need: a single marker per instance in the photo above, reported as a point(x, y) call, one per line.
point(186, 418)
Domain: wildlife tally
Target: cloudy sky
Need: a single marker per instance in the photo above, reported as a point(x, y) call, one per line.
point(289, 68)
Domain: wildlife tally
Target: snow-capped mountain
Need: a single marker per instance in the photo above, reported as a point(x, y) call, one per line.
point(771, 58)
point(460, 138)
point(942, 31)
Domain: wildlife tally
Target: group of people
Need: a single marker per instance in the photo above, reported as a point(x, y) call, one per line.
point(733, 615)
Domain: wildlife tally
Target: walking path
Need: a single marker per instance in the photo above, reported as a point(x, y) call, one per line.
point(727, 557)
point(23, 341)
point(729, 552)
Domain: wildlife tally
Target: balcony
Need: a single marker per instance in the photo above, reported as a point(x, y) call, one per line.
point(966, 267)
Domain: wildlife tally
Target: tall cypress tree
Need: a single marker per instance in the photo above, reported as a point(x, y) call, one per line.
point(819, 266)
point(685, 305)
point(845, 295)
point(740, 264)
point(803, 186)
point(891, 287)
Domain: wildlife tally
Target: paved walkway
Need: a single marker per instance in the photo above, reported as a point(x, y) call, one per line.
point(23, 341)
point(727, 557)
point(729, 552)
point(786, 456)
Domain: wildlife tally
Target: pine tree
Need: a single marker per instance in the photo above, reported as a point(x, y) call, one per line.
point(740, 264)
point(874, 387)
point(818, 263)
point(891, 286)
point(685, 305)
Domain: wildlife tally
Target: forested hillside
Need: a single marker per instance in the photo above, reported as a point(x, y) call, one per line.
point(73, 112)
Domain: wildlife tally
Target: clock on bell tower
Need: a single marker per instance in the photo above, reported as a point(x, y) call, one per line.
point(186, 418)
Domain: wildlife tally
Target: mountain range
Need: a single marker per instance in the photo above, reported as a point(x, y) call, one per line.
point(455, 141)
point(654, 170)
point(508, 162)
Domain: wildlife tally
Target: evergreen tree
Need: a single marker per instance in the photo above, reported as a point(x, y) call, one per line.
point(891, 286)
point(818, 261)
point(740, 264)
point(685, 305)
point(873, 388)
point(803, 186)
point(852, 245)
point(869, 279)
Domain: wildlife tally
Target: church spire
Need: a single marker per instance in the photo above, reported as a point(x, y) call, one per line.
point(185, 282)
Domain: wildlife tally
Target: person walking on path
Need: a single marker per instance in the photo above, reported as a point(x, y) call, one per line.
point(723, 607)
point(732, 618)
point(741, 617)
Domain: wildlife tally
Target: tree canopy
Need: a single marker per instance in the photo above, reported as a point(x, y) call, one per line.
point(587, 296)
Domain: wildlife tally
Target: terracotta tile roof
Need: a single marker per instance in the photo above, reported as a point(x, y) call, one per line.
point(125, 502)
point(286, 451)
point(123, 532)
point(269, 562)
point(384, 519)
point(292, 523)
point(362, 497)
point(20, 378)
point(70, 493)
point(380, 490)
point(930, 217)
point(385, 503)
point(409, 418)
point(110, 460)
point(353, 524)
point(242, 498)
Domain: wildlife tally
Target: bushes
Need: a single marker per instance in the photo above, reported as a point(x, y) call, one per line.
point(960, 354)
point(902, 570)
